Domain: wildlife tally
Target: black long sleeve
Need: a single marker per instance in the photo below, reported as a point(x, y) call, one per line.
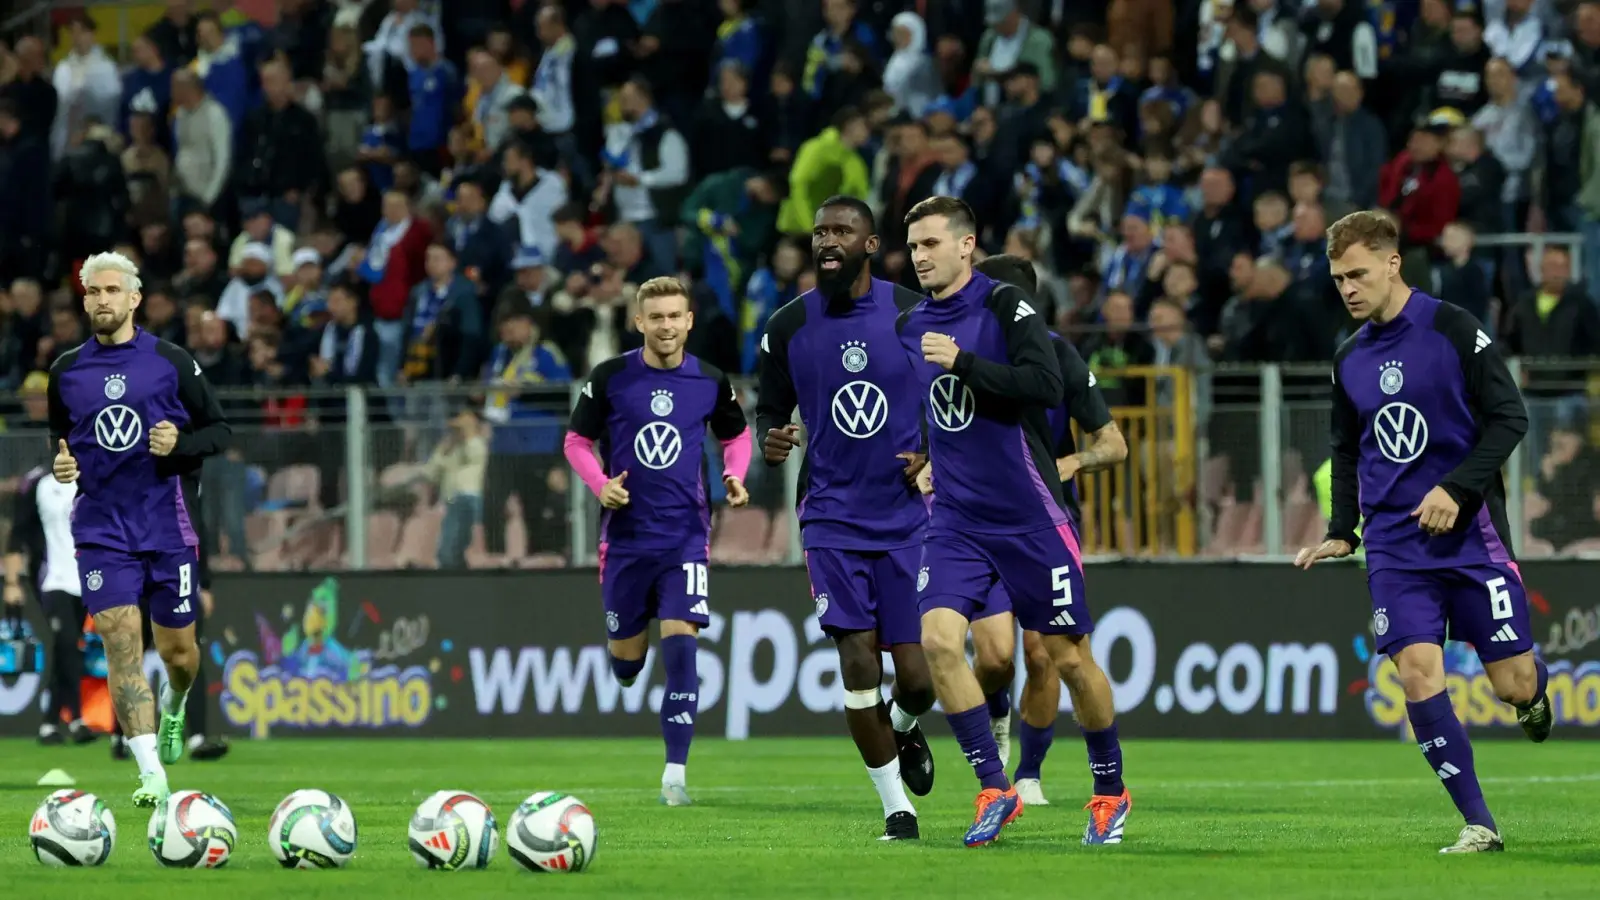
point(1496, 403)
point(1031, 372)
point(1346, 445)
point(208, 432)
point(776, 402)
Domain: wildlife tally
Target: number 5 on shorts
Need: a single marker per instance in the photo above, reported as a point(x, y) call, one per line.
point(1061, 578)
point(1499, 599)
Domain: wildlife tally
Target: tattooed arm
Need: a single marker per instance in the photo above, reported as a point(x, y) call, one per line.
point(1107, 447)
point(119, 628)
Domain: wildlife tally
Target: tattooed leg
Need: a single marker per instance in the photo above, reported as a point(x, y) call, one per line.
point(119, 629)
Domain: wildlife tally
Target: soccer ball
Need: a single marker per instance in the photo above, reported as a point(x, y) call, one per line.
point(552, 832)
point(72, 828)
point(192, 830)
point(312, 830)
point(453, 830)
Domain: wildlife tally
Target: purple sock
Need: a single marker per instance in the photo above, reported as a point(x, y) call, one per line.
point(1449, 754)
point(1035, 744)
point(999, 703)
point(977, 742)
point(1105, 761)
point(680, 703)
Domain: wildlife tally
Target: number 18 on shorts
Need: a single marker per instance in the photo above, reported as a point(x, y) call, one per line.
point(638, 587)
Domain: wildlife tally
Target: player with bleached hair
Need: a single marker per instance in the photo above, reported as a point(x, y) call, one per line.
point(131, 420)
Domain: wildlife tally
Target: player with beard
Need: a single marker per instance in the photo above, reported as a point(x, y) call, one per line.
point(647, 413)
point(984, 361)
point(1086, 682)
point(1425, 415)
point(132, 419)
point(833, 353)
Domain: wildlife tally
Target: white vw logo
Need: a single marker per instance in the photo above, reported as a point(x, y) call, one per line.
point(1401, 431)
point(657, 445)
point(860, 409)
point(117, 428)
point(951, 402)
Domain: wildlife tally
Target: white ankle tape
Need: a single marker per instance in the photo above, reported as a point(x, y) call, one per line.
point(867, 699)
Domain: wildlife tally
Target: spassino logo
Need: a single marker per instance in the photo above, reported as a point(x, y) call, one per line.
point(1569, 641)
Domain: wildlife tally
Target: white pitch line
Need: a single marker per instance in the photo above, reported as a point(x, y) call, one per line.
point(1165, 786)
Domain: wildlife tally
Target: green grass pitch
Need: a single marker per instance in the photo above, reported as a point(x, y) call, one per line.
point(798, 818)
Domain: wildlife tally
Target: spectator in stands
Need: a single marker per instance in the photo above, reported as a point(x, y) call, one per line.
point(578, 245)
point(606, 34)
point(789, 114)
point(443, 324)
point(254, 275)
point(825, 55)
point(302, 35)
point(559, 85)
point(911, 171)
point(1459, 84)
point(531, 281)
point(1573, 171)
point(1237, 72)
point(488, 98)
point(435, 91)
point(909, 76)
point(1021, 121)
point(731, 219)
point(1172, 341)
point(25, 201)
point(1516, 34)
point(1126, 267)
point(1586, 45)
point(281, 149)
point(30, 89)
point(148, 171)
point(742, 38)
point(457, 467)
point(1461, 277)
point(389, 52)
point(1418, 185)
point(527, 418)
point(29, 320)
point(259, 228)
point(203, 146)
point(1482, 180)
point(1556, 318)
point(727, 132)
point(1512, 135)
point(305, 303)
point(1305, 253)
point(174, 33)
point(67, 331)
point(146, 86)
point(1273, 229)
point(769, 288)
point(92, 192)
point(1276, 135)
point(160, 313)
point(527, 199)
point(346, 96)
point(88, 86)
point(646, 172)
point(201, 278)
point(393, 265)
point(1567, 490)
point(222, 68)
point(958, 176)
point(825, 165)
point(224, 480)
point(1010, 40)
point(483, 249)
point(1118, 346)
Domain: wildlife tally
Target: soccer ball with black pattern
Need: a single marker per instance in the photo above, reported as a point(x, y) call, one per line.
point(72, 828)
point(453, 830)
point(192, 830)
point(552, 832)
point(312, 830)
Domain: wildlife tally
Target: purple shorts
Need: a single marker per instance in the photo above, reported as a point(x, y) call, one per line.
point(1041, 573)
point(639, 585)
point(168, 580)
point(867, 590)
point(1484, 606)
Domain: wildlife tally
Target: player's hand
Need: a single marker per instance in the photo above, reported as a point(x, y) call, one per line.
point(1437, 512)
point(13, 594)
point(65, 467)
point(940, 349)
point(163, 437)
point(925, 480)
point(776, 447)
point(915, 463)
point(1067, 467)
point(614, 495)
point(207, 603)
point(737, 495)
point(1308, 556)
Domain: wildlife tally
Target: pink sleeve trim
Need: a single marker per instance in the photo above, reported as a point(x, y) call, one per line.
point(736, 453)
point(579, 451)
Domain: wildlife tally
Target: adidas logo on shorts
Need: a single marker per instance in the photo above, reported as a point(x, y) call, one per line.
point(700, 609)
point(1504, 635)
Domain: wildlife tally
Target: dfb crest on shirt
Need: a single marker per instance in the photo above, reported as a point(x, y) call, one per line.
point(661, 403)
point(1401, 432)
point(116, 386)
point(822, 605)
point(611, 621)
point(922, 579)
point(951, 402)
point(118, 428)
point(1390, 379)
point(1380, 621)
point(860, 409)
point(855, 356)
point(658, 445)
point(94, 580)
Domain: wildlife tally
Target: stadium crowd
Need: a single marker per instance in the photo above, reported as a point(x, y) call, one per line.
point(396, 193)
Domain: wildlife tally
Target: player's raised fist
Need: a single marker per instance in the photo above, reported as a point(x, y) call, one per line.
point(614, 495)
point(1308, 556)
point(940, 349)
point(65, 467)
point(778, 443)
point(163, 438)
point(1437, 512)
point(737, 495)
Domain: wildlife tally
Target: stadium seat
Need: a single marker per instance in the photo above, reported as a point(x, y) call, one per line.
point(742, 536)
point(778, 542)
point(383, 539)
point(419, 539)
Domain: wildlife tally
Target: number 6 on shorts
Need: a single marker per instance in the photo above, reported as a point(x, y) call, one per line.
point(1499, 599)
